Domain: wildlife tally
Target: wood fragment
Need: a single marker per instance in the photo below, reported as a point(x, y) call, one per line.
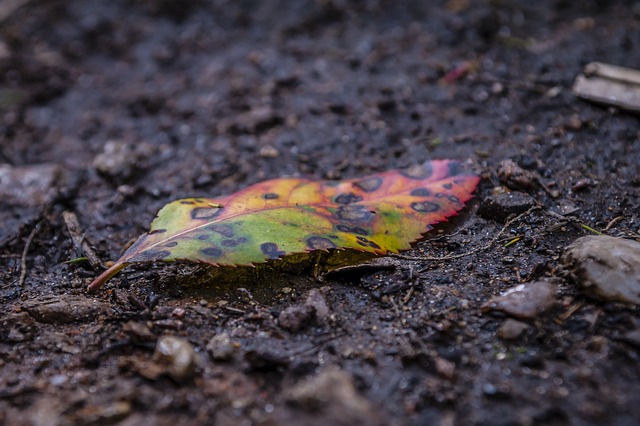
point(609, 85)
point(79, 241)
point(23, 261)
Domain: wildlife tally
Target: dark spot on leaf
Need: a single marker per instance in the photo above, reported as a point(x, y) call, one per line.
point(171, 244)
point(203, 237)
point(222, 229)
point(418, 172)
point(354, 230)
point(364, 242)
point(347, 198)
point(425, 207)
point(453, 199)
point(148, 256)
point(270, 196)
point(420, 192)
point(157, 231)
point(359, 231)
point(205, 212)
point(271, 250)
point(439, 195)
point(448, 185)
point(368, 184)
point(234, 243)
point(211, 252)
point(354, 213)
point(333, 237)
point(320, 243)
point(187, 202)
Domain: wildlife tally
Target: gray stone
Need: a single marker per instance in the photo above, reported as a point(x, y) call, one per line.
point(606, 268)
point(331, 398)
point(30, 185)
point(499, 207)
point(525, 301)
point(117, 160)
point(512, 329)
point(295, 317)
point(316, 299)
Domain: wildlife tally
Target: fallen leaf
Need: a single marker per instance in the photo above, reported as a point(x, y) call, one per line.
point(380, 213)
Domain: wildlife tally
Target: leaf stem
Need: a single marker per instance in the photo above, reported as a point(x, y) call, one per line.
point(106, 275)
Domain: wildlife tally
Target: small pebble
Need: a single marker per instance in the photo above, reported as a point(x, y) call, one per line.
point(295, 318)
point(445, 368)
point(515, 177)
point(500, 206)
point(220, 347)
point(177, 356)
point(525, 301)
point(268, 151)
point(178, 313)
point(606, 268)
point(511, 329)
point(333, 394)
point(316, 299)
point(30, 185)
point(117, 160)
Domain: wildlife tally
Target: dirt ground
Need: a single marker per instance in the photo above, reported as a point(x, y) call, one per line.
point(113, 109)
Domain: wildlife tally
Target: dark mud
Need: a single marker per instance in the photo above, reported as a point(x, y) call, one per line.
point(136, 103)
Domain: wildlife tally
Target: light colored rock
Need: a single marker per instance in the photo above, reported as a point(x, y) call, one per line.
point(330, 398)
point(606, 268)
point(117, 160)
point(525, 301)
point(511, 329)
point(177, 356)
point(220, 347)
point(316, 299)
point(30, 185)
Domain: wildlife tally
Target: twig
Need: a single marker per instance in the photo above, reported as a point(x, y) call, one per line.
point(249, 295)
point(23, 261)
point(477, 249)
point(613, 222)
point(79, 241)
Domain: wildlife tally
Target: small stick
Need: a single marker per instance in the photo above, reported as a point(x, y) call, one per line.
point(23, 261)
point(79, 241)
point(477, 249)
point(613, 222)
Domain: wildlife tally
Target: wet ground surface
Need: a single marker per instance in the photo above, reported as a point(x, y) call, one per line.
point(112, 109)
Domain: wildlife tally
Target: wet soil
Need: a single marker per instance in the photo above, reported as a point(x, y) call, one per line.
point(132, 104)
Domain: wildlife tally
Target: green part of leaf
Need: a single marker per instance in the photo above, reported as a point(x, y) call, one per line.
point(379, 214)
